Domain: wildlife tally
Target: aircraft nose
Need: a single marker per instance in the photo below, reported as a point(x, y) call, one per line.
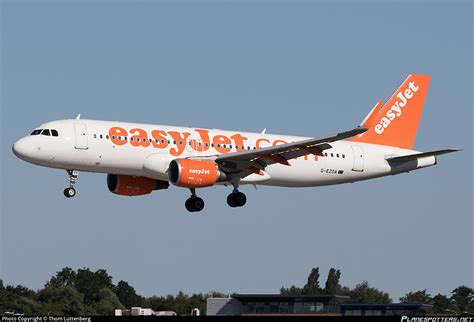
point(20, 149)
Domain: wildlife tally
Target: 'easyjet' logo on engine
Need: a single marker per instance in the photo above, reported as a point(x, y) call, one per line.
point(396, 109)
point(199, 171)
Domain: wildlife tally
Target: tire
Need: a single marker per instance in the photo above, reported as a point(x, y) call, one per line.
point(231, 200)
point(69, 192)
point(189, 204)
point(198, 204)
point(240, 199)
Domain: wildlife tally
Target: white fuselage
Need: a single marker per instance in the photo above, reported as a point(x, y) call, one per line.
point(146, 150)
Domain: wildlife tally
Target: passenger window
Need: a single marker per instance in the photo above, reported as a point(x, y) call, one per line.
point(101, 136)
point(343, 156)
point(337, 155)
point(46, 132)
point(107, 136)
point(95, 136)
point(332, 155)
point(54, 133)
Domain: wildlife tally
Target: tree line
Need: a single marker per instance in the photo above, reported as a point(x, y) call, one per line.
point(84, 292)
point(460, 301)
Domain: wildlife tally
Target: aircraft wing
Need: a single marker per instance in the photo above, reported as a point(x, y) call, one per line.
point(252, 161)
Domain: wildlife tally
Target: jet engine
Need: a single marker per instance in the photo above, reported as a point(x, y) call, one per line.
point(190, 173)
point(133, 186)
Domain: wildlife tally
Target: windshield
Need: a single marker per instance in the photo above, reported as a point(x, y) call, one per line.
point(36, 132)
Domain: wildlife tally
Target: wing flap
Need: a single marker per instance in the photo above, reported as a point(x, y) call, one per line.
point(260, 158)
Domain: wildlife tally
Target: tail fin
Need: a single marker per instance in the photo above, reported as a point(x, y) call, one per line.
point(396, 122)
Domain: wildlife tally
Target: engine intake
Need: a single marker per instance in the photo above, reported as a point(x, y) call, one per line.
point(189, 173)
point(133, 186)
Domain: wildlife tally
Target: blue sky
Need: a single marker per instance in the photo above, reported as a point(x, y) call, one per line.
point(307, 68)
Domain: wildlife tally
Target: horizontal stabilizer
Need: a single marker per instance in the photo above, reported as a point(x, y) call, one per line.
point(415, 156)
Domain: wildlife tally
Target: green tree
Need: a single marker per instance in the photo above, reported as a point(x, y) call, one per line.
point(127, 295)
point(332, 282)
point(63, 278)
point(292, 290)
point(441, 303)
point(20, 291)
point(106, 302)
point(65, 301)
point(312, 285)
point(90, 283)
point(462, 298)
point(418, 297)
point(363, 293)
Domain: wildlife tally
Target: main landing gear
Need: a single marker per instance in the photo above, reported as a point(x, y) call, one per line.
point(71, 192)
point(194, 204)
point(236, 198)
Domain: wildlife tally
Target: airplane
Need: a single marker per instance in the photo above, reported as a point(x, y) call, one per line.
point(141, 158)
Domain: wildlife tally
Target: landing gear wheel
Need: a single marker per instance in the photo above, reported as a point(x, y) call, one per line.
point(69, 192)
point(194, 204)
point(236, 199)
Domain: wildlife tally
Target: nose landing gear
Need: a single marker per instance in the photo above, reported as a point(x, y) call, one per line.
point(194, 204)
point(71, 192)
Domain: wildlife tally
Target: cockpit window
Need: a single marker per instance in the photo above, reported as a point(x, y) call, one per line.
point(54, 133)
point(36, 132)
point(45, 132)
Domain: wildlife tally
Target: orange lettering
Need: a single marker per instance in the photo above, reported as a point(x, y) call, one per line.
point(115, 133)
point(257, 144)
point(219, 141)
point(161, 137)
point(205, 142)
point(239, 141)
point(180, 142)
point(276, 142)
point(141, 139)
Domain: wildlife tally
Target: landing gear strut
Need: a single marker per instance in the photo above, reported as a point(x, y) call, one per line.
point(236, 198)
point(194, 204)
point(71, 192)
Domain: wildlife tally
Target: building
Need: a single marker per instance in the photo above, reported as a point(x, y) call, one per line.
point(274, 305)
point(268, 304)
point(396, 309)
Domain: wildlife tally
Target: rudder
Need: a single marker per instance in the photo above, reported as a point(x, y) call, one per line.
point(396, 122)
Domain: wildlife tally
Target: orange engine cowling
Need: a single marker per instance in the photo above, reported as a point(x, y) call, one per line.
point(133, 186)
point(189, 173)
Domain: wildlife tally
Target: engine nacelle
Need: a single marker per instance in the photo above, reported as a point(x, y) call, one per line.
point(133, 186)
point(190, 173)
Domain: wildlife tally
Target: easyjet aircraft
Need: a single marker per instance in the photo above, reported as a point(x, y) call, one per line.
point(141, 158)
